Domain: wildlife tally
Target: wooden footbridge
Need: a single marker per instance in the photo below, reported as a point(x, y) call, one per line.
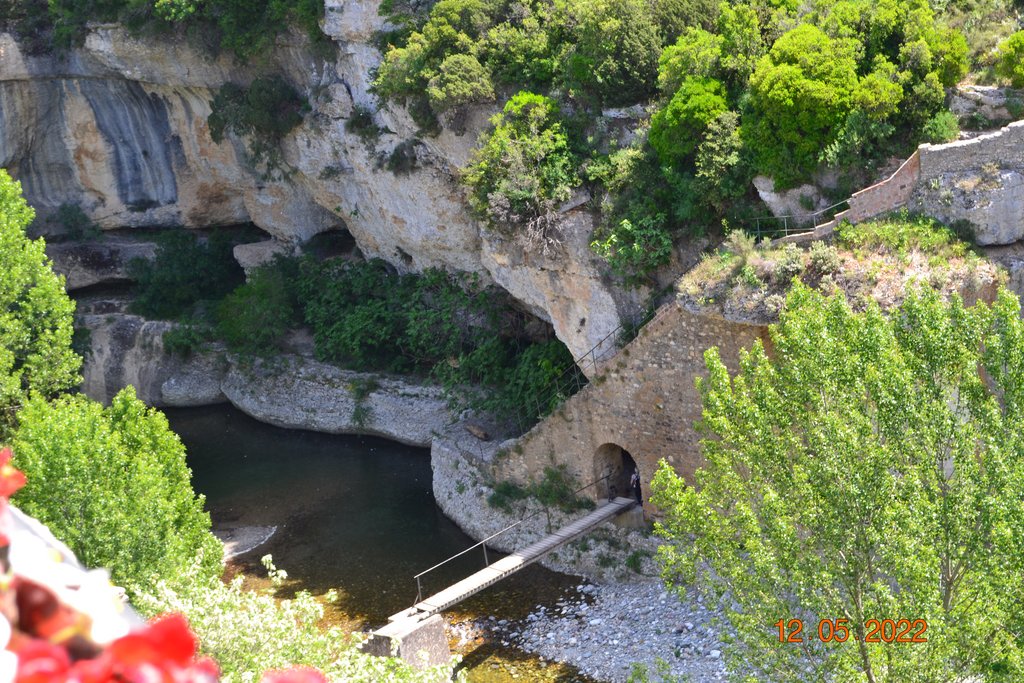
point(413, 629)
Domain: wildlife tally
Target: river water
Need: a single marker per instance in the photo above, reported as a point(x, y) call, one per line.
point(356, 514)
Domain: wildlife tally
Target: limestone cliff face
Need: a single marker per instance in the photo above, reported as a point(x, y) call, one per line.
point(120, 128)
point(294, 391)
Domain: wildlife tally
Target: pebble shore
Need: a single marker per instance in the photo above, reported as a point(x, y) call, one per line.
point(603, 629)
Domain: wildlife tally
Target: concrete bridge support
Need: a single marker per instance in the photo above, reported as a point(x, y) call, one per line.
point(421, 644)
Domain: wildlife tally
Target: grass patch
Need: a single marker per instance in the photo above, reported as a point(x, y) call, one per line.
point(902, 233)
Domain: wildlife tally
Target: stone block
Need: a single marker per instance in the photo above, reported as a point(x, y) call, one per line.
point(421, 644)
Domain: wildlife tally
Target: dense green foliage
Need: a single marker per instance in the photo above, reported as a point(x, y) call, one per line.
point(612, 53)
point(249, 632)
point(184, 272)
point(255, 317)
point(263, 113)
point(739, 89)
point(366, 316)
point(525, 168)
point(35, 314)
point(1011, 59)
point(112, 483)
point(677, 130)
point(245, 27)
point(868, 470)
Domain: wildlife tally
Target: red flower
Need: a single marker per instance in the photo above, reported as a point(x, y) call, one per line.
point(298, 674)
point(42, 662)
point(11, 479)
point(167, 640)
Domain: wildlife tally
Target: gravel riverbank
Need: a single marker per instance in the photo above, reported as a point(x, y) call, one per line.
point(603, 629)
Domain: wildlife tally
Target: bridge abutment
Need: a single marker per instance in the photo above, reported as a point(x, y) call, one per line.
point(421, 644)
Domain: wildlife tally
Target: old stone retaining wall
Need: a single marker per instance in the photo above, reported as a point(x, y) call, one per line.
point(1003, 148)
point(887, 195)
point(644, 402)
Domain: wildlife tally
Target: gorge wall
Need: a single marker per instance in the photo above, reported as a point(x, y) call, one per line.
point(119, 127)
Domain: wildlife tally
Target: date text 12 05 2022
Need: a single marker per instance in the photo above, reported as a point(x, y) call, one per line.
point(839, 631)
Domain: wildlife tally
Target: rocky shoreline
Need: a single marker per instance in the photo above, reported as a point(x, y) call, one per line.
point(605, 629)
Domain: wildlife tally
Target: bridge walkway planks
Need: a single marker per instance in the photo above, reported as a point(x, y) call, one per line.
point(497, 571)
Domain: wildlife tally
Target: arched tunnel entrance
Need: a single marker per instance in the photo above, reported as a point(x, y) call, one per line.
point(618, 464)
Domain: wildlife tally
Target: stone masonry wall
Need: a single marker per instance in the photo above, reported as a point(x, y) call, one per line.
point(1003, 148)
point(644, 401)
point(886, 195)
point(980, 181)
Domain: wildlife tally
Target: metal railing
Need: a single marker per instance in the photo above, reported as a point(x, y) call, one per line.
point(795, 224)
point(483, 543)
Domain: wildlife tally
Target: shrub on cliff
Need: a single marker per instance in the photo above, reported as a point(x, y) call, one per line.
point(36, 358)
point(525, 167)
point(887, 487)
point(256, 316)
point(184, 272)
point(1011, 59)
point(113, 485)
point(262, 113)
point(245, 27)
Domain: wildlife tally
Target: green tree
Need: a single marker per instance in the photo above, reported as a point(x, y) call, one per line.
point(696, 53)
point(112, 483)
point(722, 175)
point(800, 94)
point(35, 314)
point(676, 16)
point(867, 470)
point(742, 44)
point(677, 130)
point(1010, 63)
point(525, 166)
point(461, 80)
point(612, 54)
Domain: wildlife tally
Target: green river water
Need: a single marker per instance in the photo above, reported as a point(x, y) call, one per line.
point(357, 515)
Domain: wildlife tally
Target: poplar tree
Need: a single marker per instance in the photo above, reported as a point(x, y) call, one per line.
point(870, 468)
point(35, 314)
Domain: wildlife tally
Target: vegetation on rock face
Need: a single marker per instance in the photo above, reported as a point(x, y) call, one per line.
point(263, 113)
point(36, 358)
point(245, 27)
point(184, 272)
point(888, 487)
point(738, 89)
point(525, 168)
point(112, 483)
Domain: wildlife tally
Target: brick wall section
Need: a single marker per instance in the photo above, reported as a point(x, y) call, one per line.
point(1005, 148)
point(887, 195)
point(646, 404)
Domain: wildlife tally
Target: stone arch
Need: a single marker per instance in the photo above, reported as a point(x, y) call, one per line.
point(618, 464)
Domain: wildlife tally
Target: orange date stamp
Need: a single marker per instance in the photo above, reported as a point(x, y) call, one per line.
point(838, 631)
